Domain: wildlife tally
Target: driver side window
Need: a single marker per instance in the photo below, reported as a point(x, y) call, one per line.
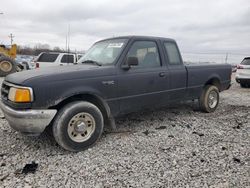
point(146, 52)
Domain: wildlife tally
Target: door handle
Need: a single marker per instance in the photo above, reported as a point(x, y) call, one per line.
point(161, 74)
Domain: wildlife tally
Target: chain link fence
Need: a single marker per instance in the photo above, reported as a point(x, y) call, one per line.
point(231, 58)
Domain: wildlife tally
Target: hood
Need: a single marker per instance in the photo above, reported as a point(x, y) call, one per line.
point(59, 73)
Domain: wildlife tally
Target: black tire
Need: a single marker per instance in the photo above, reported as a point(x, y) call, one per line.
point(61, 125)
point(204, 100)
point(243, 85)
point(12, 68)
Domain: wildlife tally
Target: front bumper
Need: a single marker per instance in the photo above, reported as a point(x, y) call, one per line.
point(30, 122)
point(242, 76)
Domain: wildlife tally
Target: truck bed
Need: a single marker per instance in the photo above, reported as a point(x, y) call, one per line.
point(200, 73)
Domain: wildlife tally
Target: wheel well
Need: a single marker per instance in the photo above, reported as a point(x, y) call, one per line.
point(215, 82)
point(89, 98)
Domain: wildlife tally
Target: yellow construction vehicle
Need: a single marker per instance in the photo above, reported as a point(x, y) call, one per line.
point(7, 59)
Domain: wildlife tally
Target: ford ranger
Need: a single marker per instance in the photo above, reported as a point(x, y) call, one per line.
point(116, 76)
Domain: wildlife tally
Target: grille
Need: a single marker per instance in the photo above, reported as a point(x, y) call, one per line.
point(5, 91)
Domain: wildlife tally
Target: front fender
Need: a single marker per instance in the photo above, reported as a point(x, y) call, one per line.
point(51, 94)
point(85, 93)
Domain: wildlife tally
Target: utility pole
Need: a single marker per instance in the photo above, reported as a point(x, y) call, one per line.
point(226, 58)
point(66, 43)
point(1, 13)
point(11, 36)
point(68, 37)
point(67, 40)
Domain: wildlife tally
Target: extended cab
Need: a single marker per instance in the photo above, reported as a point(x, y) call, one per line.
point(116, 76)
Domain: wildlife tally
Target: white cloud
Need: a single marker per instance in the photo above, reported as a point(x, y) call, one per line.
point(197, 25)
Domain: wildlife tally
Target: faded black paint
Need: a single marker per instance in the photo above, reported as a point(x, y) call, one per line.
point(123, 90)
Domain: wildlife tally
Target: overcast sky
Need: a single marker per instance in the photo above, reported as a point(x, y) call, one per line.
point(215, 26)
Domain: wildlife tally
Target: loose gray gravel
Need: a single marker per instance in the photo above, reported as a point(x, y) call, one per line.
point(175, 147)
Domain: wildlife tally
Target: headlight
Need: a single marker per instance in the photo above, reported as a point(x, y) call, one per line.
point(20, 95)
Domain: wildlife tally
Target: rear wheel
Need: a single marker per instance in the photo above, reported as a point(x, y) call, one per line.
point(209, 99)
point(7, 66)
point(78, 125)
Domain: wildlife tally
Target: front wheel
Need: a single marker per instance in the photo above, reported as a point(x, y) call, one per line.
point(78, 125)
point(209, 98)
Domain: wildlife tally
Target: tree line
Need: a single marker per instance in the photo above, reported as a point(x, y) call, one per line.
point(38, 48)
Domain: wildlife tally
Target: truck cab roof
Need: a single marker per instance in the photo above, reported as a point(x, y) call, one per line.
point(140, 38)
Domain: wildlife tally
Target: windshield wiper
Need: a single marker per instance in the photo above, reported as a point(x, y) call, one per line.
point(92, 62)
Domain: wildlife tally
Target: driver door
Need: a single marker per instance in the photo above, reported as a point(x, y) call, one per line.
point(144, 85)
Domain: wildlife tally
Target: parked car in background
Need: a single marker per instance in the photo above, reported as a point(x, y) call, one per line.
point(49, 59)
point(243, 73)
point(79, 56)
point(24, 62)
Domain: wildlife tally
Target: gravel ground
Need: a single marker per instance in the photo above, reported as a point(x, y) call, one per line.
point(176, 147)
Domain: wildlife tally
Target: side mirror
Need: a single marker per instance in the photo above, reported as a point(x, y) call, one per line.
point(130, 61)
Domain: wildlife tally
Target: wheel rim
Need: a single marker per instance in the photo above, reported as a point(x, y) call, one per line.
point(212, 99)
point(81, 127)
point(5, 66)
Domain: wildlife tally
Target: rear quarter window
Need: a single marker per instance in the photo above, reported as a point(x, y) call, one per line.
point(67, 58)
point(172, 53)
point(47, 57)
point(246, 61)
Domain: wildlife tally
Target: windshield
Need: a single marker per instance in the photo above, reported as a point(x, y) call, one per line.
point(104, 52)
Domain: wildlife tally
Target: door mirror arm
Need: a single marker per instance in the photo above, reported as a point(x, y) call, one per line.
point(125, 67)
point(130, 61)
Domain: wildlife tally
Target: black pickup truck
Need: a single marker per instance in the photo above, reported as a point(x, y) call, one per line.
point(116, 76)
